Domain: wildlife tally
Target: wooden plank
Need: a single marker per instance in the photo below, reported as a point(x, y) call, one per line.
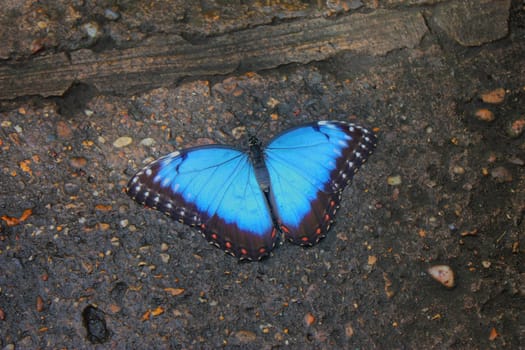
point(162, 60)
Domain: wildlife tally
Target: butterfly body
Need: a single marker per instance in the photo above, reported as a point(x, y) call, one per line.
point(243, 201)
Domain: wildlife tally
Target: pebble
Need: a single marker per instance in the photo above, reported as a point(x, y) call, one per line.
point(309, 319)
point(516, 128)
point(165, 257)
point(71, 189)
point(77, 162)
point(349, 330)
point(64, 130)
point(394, 180)
point(443, 274)
point(148, 142)
point(484, 114)
point(111, 15)
point(458, 170)
point(239, 132)
point(501, 174)
point(92, 29)
point(122, 141)
point(494, 96)
point(39, 304)
point(245, 336)
point(95, 324)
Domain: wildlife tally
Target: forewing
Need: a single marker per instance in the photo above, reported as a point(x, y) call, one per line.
point(309, 167)
point(214, 189)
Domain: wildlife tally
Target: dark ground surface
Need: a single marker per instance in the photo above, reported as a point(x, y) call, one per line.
point(86, 251)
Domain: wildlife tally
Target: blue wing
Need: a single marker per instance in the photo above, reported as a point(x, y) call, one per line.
point(309, 167)
point(213, 188)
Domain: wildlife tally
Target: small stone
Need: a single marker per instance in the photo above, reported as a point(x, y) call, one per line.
point(349, 330)
point(95, 324)
point(443, 274)
point(309, 319)
point(239, 132)
point(494, 96)
point(92, 29)
point(372, 259)
point(458, 170)
point(516, 161)
point(484, 114)
point(245, 336)
point(39, 304)
point(111, 15)
point(164, 247)
point(122, 141)
point(77, 162)
point(165, 257)
point(148, 142)
point(394, 180)
point(71, 189)
point(486, 264)
point(64, 130)
point(501, 174)
point(516, 128)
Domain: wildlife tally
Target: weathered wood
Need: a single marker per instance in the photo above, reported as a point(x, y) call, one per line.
point(163, 60)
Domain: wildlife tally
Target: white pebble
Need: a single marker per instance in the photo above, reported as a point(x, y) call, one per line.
point(443, 274)
point(122, 141)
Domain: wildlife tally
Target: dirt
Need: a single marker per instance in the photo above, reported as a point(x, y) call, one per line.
point(83, 266)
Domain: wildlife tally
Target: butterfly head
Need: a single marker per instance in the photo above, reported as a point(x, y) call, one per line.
point(253, 141)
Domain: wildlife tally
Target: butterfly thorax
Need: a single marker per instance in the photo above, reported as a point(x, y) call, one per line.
point(257, 158)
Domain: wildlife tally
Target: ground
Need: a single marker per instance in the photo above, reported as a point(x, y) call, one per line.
point(82, 264)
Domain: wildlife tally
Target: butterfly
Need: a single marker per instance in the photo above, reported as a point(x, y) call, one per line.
point(243, 202)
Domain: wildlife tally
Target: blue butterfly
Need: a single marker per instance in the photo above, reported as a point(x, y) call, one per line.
point(243, 202)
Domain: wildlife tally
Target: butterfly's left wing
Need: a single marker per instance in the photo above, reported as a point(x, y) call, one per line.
point(309, 167)
point(213, 188)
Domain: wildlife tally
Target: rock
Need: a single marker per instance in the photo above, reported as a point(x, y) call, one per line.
point(95, 324)
point(122, 141)
point(474, 22)
point(394, 180)
point(484, 114)
point(443, 274)
point(494, 96)
point(501, 174)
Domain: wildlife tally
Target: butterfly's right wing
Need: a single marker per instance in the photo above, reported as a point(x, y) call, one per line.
point(309, 166)
point(214, 189)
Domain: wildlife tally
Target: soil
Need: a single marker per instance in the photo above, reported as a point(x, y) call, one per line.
point(83, 266)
